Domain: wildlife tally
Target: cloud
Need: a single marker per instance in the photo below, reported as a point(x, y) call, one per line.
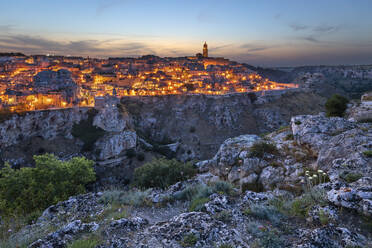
point(325, 29)
point(311, 39)
point(103, 48)
point(298, 27)
point(251, 48)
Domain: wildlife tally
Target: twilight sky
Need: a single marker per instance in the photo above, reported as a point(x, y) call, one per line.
point(260, 32)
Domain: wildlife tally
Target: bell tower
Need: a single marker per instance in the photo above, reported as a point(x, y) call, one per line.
point(205, 50)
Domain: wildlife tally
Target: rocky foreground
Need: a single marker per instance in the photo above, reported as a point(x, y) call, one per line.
point(309, 186)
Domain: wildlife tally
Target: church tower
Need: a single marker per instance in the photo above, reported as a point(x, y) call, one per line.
point(205, 50)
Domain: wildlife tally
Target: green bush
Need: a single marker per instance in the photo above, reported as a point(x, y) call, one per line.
point(264, 212)
point(197, 204)
point(350, 177)
point(131, 197)
point(336, 105)
point(161, 173)
point(28, 189)
point(85, 131)
point(300, 206)
point(289, 137)
point(189, 240)
point(226, 246)
point(260, 148)
point(85, 242)
point(368, 153)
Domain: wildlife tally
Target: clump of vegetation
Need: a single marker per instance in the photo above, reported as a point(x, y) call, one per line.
point(315, 177)
point(224, 216)
point(323, 217)
point(298, 122)
point(368, 153)
point(85, 131)
point(336, 105)
point(28, 189)
point(265, 212)
point(300, 206)
point(189, 240)
point(266, 238)
point(350, 177)
point(226, 246)
point(260, 148)
point(198, 203)
point(161, 173)
point(120, 197)
point(199, 194)
point(289, 137)
point(85, 242)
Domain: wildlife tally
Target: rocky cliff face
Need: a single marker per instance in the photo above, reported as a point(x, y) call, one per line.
point(201, 123)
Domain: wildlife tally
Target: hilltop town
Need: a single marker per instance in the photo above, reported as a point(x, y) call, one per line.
point(48, 81)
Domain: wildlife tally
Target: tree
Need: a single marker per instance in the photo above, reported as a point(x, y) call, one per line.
point(336, 105)
point(50, 181)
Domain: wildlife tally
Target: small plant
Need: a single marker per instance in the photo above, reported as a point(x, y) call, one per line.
point(189, 240)
point(224, 216)
point(323, 217)
point(131, 198)
point(298, 122)
point(368, 154)
point(283, 128)
point(289, 137)
point(315, 177)
point(161, 173)
point(260, 148)
point(350, 177)
point(197, 204)
point(226, 246)
point(85, 242)
point(336, 105)
point(265, 212)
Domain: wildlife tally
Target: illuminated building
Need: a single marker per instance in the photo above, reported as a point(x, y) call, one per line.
point(205, 50)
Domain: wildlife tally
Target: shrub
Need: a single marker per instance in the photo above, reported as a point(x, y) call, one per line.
point(300, 206)
point(368, 153)
point(86, 132)
point(265, 212)
point(289, 137)
point(189, 240)
point(226, 246)
point(336, 105)
point(119, 197)
point(224, 216)
point(28, 189)
point(298, 122)
point(161, 173)
point(85, 242)
point(350, 177)
point(260, 148)
point(271, 239)
point(197, 204)
point(323, 217)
